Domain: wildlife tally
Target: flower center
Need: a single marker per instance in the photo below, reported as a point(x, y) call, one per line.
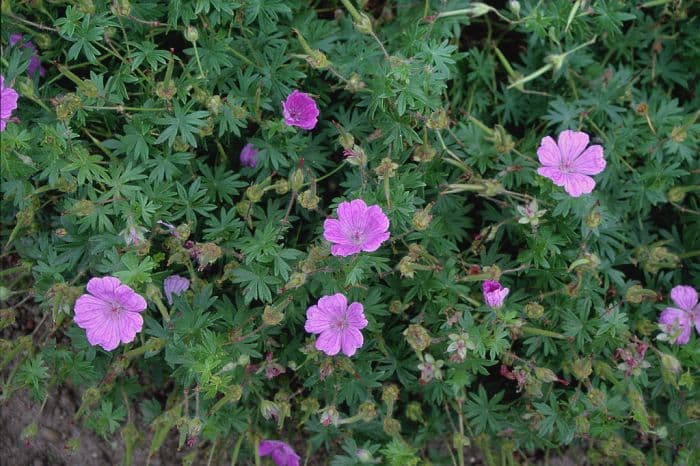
point(115, 307)
point(357, 238)
point(565, 167)
point(341, 323)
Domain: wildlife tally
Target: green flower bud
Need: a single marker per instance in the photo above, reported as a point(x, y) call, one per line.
point(296, 181)
point(422, 218)
point(583, 427)
point(254, 192)
point(582, 368)
point(679, 134)
point(392, 427)
point(121, 8)
point(191, 34)
point(363, 24)
point(670, 368)
point(296, 280)
point(534, 311)
point(43, 41)
point(25, 86)
point(593, 219)
point(390, 394)
point(438, 120)
point(309, 200)
point(272, 316)
point(386, 169)
point(243, 207)
point(693, 411)
point(214, 104)
point(545, 375)
point(596, 397)
point(417, 337)
point(281, 187)
point(166, 90)
point(367, 411)
point(4, 293)
point(414, 412)
point(355, 83)
point(636, 294)
point(424, 153)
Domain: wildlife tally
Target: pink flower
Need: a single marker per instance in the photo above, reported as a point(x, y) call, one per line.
point(358, 228)
point(110, 312)
point(175, 285)
point(282, 454)
point(494, 294)
point(249, 156)
point(568, 163)
point(337, 323)
point(676, 322)
point(8, 103)
point(34, 61)
point(300, 110)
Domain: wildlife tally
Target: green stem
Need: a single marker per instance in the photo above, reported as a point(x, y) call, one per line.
point(689, 254)
point(199, 63)
point(543, 333)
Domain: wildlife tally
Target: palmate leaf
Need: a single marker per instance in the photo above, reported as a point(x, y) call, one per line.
point(183, 124)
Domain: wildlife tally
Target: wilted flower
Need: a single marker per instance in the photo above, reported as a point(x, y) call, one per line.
point(330, 415)
point(133, 234)
point(530, 213)
point(358, 228)
point(300, 110)
point(175, 285)
point(430, 369)
point(8, 103)
point(109, 312)
point(568, 162)
point(632, 357)
point(459, 344)
point(281, 453)
point(676, 322)
point(34, 61)
point(249, 156)
point(337, 324)
point(494, 294)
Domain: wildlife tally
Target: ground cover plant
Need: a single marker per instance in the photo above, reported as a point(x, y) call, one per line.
point(345, 232)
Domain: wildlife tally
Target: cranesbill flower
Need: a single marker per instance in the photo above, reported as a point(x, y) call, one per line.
point(281, 453)
point(175, 285)
point(494, 294)
point(358, 228)
point(34, 61)
point(300, 110)
point(676, 322)
point(568, 162)
point(337, 324)
point(109, 312)
point(249, 156)
point(8, 103)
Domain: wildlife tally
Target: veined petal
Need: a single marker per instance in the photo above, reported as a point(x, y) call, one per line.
point(590, 162)
point(548, 152)
point(685, 297)
point(351, 340)
point(576, 184)
point(571, 144)
point(329, 342)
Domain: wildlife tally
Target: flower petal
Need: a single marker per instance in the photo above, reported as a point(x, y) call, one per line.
point(590, 162)
point(685, 297)
point(548, 152)
point(344, 250)
point(333, 231)
point(90, 311)
point(351, 340)
point(576, 184)
point(129, 299)
point(674, 319)
point(553, 173)
point(571, 144)
point(129, 324)
point(317, 320)
point(334, 305)
point(103, 288)
point(355, 316)
point(329, 342)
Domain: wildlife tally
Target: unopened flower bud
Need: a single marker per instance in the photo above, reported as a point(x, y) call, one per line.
point(363, 24)
point(582, 425)
point(636, 294)
point(272, 316)
point(407, 267)
point(309, 200)
point(417, 337)
point(269, 410)
point(414, 412)
point(121, 8)
point(438, 120)
point(534, 311)
point(545, 375)
point(424, 153)
point(582, 368)
point(367, 411)
point(191, 34)
point(670, 368)
point(4, 293)
point(25, 86)
point(390, 394)
point(354, 83)
point(593, 219)
point(676, 194)
point(243, 207)
point(679, 134)
point(166, 90)
point(386, 169)
point(346, 140)
point(596, 397)
point(514, 6)
point(254, 193)
point(392, 427)
point(422, 218)
point(43, 41)
point(281, 187)
point(296, 181)
point(296, 280)
point(214, 104)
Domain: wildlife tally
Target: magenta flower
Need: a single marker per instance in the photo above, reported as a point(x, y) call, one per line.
point(109, 312)
point(337, 323)
point(358, 228)
point(282, 454)
point(8, 103)
point(34, 61)
point(300, 110)
point(249, 156)
point(494, 294)
point(568, 162)
point(175, 285)
point(676, 322)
